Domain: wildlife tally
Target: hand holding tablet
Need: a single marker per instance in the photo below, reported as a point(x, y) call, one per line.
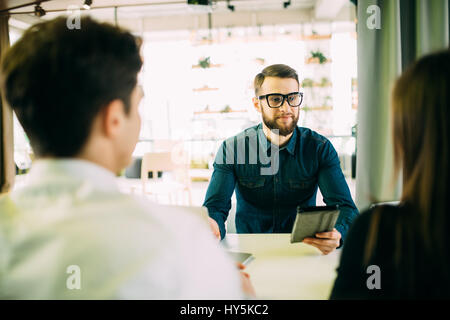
point(312, 220)
point(315, 226)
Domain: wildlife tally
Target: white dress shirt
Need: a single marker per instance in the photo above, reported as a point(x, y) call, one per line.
point(70, 234)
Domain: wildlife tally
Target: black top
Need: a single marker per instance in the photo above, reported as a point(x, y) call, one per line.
point(415, 275)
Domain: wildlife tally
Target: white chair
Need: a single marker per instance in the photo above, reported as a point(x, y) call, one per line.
point(174, 164)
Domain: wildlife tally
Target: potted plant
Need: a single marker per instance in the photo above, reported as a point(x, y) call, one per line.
point(327, 101)
point(306, 108)
point(204, 63)
point(226, 109)
point(317, 56)
point(307, 82)
point(260, 61)
point(325, 82)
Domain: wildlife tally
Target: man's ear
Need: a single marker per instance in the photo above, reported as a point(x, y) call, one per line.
point(112, 118)
point(256, 104)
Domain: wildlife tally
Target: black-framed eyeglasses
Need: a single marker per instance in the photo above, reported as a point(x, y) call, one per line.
point(276, 100)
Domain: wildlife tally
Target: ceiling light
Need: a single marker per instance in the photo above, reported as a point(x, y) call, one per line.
point(87, 4)
point(229, 6)
point(38, 11)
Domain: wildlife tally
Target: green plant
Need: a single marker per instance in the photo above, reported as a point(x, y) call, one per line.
point(260, 60)
point(199, 164)
point(306, 108)
point(229, 31)
point(325, 82)
point(204, 63)
point(319, 55)
point(327, 101)
point(226, 109)
point(307, 82)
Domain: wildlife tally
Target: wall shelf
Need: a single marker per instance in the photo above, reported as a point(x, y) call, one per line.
point(316, 61)
point(318, 85)
point(204, 88)
point(196, 66)
point(316, 37)
point(318, 108)
point(217, 112)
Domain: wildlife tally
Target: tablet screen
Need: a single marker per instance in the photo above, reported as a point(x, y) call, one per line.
point(310, 221)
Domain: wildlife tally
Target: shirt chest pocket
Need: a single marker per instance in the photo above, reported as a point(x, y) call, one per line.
point(297, 184)
point(253, 189)
point(252, 182)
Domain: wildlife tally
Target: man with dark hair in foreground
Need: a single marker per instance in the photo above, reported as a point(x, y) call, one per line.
point(69, 233)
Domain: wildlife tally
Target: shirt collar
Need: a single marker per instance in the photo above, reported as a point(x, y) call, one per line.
point(76, 169)
point(265, 143)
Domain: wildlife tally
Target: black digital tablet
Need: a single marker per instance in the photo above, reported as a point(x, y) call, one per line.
point(312, 220)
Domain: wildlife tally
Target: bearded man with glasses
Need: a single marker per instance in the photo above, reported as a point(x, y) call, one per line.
point(269, 189)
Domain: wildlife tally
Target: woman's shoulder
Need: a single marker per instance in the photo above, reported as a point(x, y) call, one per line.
point(386, 213)
point(380, 219)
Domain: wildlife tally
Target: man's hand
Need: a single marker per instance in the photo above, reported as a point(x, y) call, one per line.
point(214, 227)
point(327, 242)
point(246, 284)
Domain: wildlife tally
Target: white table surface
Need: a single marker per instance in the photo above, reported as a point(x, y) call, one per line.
point(282, 270)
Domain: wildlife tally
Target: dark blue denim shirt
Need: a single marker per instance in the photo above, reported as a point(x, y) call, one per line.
point(268, 192)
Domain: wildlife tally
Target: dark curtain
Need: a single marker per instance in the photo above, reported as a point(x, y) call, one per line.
point(408, 30)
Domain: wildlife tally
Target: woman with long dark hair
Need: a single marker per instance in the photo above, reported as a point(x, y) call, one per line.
point(398, 252)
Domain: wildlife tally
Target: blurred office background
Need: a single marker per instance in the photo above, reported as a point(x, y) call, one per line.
point(199, 65)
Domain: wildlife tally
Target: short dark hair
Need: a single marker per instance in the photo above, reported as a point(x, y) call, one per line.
point(275, 70)
point(57, 80)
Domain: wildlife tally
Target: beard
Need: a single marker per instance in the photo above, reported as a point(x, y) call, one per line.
point(283, 129)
